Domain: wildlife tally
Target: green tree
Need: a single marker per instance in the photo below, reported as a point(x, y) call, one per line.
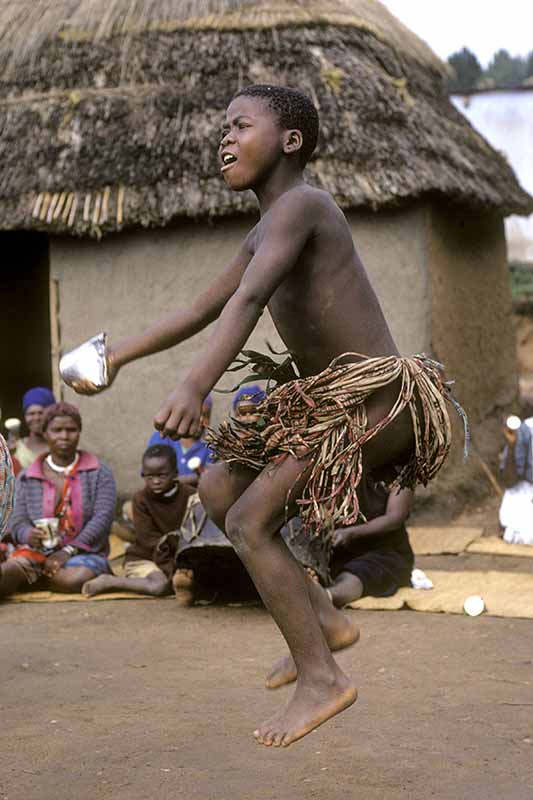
point(467, 70)
point(505, 69)
point(529, 65)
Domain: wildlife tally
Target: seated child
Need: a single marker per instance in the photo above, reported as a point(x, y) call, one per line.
point(375, 557)
point(157, 510)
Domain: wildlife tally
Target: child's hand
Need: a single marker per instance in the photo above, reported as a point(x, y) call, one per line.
point(181, 414)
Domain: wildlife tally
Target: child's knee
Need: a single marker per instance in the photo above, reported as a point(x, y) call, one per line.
point(244, 528)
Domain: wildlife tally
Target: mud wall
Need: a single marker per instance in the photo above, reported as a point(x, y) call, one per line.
point(125, 282)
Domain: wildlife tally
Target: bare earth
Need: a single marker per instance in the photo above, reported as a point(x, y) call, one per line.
point(135, 700)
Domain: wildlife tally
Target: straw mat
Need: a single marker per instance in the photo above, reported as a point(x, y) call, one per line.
point(506, 594)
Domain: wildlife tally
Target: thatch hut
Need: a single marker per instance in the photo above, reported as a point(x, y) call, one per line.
point(110, 193)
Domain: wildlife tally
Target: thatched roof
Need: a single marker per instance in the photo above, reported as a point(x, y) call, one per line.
point(111, 109)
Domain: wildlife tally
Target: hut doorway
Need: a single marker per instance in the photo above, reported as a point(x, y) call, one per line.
point(25, 347)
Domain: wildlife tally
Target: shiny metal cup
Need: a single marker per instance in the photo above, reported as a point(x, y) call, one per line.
point(49, 526)
point(84, 369)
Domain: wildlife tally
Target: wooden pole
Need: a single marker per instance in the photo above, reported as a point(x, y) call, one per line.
point(55, 338)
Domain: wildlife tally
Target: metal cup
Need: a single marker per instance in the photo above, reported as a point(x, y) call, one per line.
point(49, 526)
point(85, 368)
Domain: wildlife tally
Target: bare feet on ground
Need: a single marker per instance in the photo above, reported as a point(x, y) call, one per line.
point(340, 633)
point(103, 583)
point(309, 707)
point(183, 585)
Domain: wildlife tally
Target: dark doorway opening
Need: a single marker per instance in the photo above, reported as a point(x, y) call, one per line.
point(25, 347)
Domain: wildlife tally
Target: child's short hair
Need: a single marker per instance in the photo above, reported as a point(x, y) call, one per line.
point(293, 109)
point(162, 451)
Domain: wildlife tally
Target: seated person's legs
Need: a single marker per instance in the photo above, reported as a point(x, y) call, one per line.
point(143, 577)
point(345, 589)
point(183, 585)
point(13, 577)
point(77, 571)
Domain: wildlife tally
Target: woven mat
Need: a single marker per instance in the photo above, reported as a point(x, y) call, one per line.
point(56, 597)
point(506, 594)
point(434, 541)
point(493, 545)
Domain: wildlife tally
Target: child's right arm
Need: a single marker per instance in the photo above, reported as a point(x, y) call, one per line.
point(184, 323)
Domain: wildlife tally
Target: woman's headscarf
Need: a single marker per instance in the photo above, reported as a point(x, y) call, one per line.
point(7, 485)
point(38, 396)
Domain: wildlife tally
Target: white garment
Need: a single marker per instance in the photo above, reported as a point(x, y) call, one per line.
point(516, 513)
point(419, 580)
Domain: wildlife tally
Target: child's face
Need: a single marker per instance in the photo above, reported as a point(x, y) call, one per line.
point(252, 143)
point(158, 476)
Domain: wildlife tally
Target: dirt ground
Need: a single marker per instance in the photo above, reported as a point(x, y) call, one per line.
point(142, 700)
point(135, 700)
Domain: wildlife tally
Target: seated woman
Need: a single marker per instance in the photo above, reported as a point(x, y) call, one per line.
point(34, 403)
point(7, 485)
point(374, 557)
point(69, 490)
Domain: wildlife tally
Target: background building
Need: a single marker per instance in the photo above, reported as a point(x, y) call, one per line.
point(114, 211)
point(505, 118)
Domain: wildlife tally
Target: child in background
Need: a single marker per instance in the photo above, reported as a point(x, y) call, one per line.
point(245, 401)
point(158, 509)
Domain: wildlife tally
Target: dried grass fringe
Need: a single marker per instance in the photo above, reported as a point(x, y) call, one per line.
point(325, 417)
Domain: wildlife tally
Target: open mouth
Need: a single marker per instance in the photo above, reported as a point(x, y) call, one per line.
point(228, 159)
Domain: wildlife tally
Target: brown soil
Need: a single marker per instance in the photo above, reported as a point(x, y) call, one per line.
point(134, 700)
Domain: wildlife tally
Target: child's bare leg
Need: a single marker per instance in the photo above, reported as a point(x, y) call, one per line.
point(340, 632)
point(155, 584)
point(183, 585)
point(252, 524)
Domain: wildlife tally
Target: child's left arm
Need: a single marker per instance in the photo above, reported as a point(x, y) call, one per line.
point(396, 514)
point(285, 229)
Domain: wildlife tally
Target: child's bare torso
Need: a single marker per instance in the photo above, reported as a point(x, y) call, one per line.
point(326, 305)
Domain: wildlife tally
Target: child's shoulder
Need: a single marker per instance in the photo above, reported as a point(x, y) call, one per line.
point(309, 196)
point(302, 204)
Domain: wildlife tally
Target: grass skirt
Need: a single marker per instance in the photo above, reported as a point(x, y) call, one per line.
point(324, 416)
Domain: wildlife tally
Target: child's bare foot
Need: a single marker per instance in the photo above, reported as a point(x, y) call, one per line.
point(103, 583)
point(183, 585)
point(339, 631)
point(309, 707)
